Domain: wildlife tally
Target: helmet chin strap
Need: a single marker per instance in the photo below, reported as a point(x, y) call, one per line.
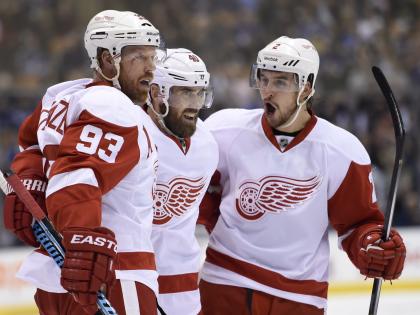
point(298, 109)
point(114, 79)
point(161, 117)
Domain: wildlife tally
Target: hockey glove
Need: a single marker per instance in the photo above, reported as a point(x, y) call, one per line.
point(376, 258)
point(88, 264)
point(17, 218)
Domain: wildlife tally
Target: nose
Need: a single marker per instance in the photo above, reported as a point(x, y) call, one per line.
point(266, 93)
point(150, 65)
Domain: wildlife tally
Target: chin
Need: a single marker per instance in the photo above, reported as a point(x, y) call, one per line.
point(273, 121)
point(141, 97)
point(187, 131)
point(137, 97)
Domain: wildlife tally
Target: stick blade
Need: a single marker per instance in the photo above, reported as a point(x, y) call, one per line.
point(4, 185)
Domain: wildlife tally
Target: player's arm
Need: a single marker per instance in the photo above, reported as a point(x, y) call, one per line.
point(354, 213)
point(209, 206)
point(29, 166)
point(27, 136)
point(93, 157)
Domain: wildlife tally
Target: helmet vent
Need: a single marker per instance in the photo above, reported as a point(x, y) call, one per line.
point(291, 63)
point(178, 77)
point(99, 35)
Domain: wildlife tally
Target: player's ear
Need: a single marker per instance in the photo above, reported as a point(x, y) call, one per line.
point(104, 57)
point(154, 91)
point(106, 62)
point(155, 97)
point(306, 91)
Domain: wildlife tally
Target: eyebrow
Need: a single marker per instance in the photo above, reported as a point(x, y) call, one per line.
point(277, 76)
point(137, 52)
point(187, 88)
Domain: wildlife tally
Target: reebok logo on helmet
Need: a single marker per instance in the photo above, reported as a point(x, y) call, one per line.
point(270, 58)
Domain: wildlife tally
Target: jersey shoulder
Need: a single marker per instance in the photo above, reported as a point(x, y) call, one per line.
point(109, 104)
point(205, 137)
point(63, 88)
point(234, 118)
point(340, 141)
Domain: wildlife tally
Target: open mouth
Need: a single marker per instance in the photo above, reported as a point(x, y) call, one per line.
point(191, 116)
point(269, 108)
point(145, 83)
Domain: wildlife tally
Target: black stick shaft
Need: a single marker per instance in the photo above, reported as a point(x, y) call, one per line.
point(396, 172)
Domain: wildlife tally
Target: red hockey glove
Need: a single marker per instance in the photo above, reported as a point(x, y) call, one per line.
point(378, 259)
point(17, 218)
point(88, 264)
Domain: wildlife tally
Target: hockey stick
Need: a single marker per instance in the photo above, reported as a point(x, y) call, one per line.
point(392, 195)
point(44, 231)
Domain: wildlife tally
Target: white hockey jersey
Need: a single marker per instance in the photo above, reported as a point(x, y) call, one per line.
point(183, 175)
point(101, 164)
point(276, 204)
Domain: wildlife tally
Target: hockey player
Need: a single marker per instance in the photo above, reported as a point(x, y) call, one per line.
point(100, 163)
point(285, 175)
point(188, 157)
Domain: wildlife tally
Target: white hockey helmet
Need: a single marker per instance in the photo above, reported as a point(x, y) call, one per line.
point(113, 30)
point(181, 67)
point(295, 55)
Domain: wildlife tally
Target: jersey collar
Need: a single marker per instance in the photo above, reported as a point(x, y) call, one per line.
point(183, 146)
point(106, 83)
point(268, 131)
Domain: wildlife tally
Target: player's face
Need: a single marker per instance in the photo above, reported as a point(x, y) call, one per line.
point(136, 72)
point(184, 105)
point(279, 103)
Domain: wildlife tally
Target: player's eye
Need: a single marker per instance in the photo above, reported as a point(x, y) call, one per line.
point(263, 82)
point(280, 83)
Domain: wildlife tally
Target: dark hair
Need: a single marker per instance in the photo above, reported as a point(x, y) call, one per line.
point(309, 103)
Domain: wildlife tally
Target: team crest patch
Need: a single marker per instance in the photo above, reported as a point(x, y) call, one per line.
point(274, 194)
point(175, 198)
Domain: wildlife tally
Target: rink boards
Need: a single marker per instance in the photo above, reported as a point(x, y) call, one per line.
point(348, 289)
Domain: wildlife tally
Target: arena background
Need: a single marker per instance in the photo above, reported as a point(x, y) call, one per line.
point(41, 44)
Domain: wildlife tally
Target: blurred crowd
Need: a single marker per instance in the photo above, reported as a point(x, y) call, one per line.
point(42, 43)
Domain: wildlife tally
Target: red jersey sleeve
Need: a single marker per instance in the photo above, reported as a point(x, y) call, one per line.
point(29, 160)
point(352, 205)
point(93, 156)
point(209, 207)
point(27, 136)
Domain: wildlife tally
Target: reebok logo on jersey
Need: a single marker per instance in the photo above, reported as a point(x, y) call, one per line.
point(97, 241)
point(273, 194)
point(175, 198)
point(283, 143)
point(34, 184)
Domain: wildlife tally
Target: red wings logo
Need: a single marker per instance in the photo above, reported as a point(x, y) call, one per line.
point(176, 198)
point(274, 194)
point(193, 58)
